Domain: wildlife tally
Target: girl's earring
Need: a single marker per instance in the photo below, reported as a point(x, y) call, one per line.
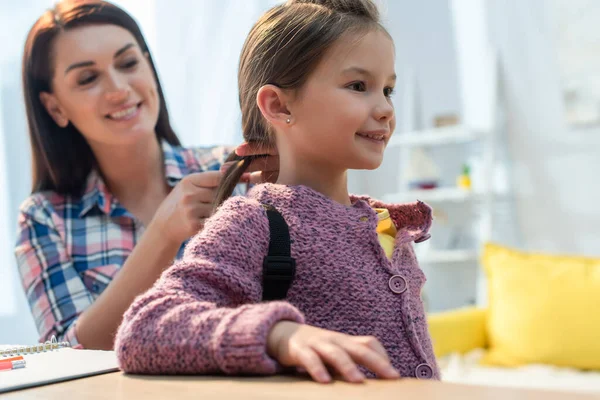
point(287, 121)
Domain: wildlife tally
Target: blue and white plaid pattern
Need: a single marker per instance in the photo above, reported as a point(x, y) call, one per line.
point(69, 249)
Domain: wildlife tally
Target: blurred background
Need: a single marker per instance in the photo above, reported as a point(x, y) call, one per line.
point(498, 107)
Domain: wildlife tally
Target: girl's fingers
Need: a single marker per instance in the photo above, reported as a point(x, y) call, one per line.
point(371, 359)
point(311, 362)
point(341, 361)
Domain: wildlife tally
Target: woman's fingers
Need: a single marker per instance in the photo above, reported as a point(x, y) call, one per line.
point(207, 179)
point(253, 149)
point(262, 177)
point(202, 211)
point(259, 171)
point(197, 195)
point(266, 164)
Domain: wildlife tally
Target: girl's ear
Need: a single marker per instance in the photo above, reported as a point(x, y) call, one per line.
point(273, 104)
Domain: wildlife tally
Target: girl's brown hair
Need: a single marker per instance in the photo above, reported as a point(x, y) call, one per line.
point(283, 48)
point(62, 159)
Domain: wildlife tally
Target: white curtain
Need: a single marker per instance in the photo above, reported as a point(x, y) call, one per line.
point(7, 300)
point(16, 324)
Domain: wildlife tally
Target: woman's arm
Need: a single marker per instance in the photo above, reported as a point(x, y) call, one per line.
point(204, 315)
point(60, 303)
point(58, 298)
point(97, 325)
point(180, 216)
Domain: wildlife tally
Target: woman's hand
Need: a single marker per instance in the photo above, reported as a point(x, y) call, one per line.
point(182, 214)
point(312, 349)
point(264, 169)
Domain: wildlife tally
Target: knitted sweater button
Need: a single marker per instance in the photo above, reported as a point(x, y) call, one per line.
point(398, 284)
point(363, 219)
point(424, 371)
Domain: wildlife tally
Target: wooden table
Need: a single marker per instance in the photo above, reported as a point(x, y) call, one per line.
point(124, 387)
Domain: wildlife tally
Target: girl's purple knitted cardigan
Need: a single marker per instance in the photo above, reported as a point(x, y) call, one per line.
point(205, 315)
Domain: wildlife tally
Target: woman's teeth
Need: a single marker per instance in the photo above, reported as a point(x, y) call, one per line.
point(124, 113)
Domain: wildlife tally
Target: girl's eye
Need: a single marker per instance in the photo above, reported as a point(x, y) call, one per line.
point(357, 86)
point(388, 91)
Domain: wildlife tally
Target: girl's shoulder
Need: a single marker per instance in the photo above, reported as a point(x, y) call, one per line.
point(239, 225)
point(239, 211)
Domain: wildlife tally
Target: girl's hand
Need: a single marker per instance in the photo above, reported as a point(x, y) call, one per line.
point(311, 348)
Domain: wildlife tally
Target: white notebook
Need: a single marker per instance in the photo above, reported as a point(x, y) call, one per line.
point(53, 362)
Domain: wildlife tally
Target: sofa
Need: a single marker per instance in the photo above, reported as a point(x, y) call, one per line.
point(539, 329)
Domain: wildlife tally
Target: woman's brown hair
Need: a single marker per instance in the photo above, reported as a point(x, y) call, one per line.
point(283, 48)
point(62, 159)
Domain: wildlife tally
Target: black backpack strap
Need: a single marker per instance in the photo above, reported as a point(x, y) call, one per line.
point(279, 268)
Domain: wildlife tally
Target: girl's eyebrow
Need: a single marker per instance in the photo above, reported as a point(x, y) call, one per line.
point(362, 71)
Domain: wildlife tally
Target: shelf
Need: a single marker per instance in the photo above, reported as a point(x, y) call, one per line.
point(449, 256)
point(431, 195)
point(455, 134)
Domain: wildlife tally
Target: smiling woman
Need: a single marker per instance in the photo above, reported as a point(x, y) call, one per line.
point(90, 75)
point(115, 197)
point(111, 96)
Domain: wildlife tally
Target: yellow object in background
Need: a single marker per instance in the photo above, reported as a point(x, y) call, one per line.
point(543, 309)
point(464, 179)
point(386, 231)
point(458, 331)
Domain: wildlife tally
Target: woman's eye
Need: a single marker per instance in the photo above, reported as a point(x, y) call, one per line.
point(130, 64)
point(85, 80)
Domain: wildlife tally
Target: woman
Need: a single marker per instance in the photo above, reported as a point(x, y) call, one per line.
point(107, 167)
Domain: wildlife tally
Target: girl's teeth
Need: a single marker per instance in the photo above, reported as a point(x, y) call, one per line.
point(376, 137)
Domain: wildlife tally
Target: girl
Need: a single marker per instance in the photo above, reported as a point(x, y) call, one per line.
point(315, 78)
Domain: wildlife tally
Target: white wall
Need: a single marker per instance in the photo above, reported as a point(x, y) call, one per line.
point(555, 168)
point(422, 32)
point(16, 323)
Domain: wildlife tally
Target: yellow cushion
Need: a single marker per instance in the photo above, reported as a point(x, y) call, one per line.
point(542, 309)
point(458, 330)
